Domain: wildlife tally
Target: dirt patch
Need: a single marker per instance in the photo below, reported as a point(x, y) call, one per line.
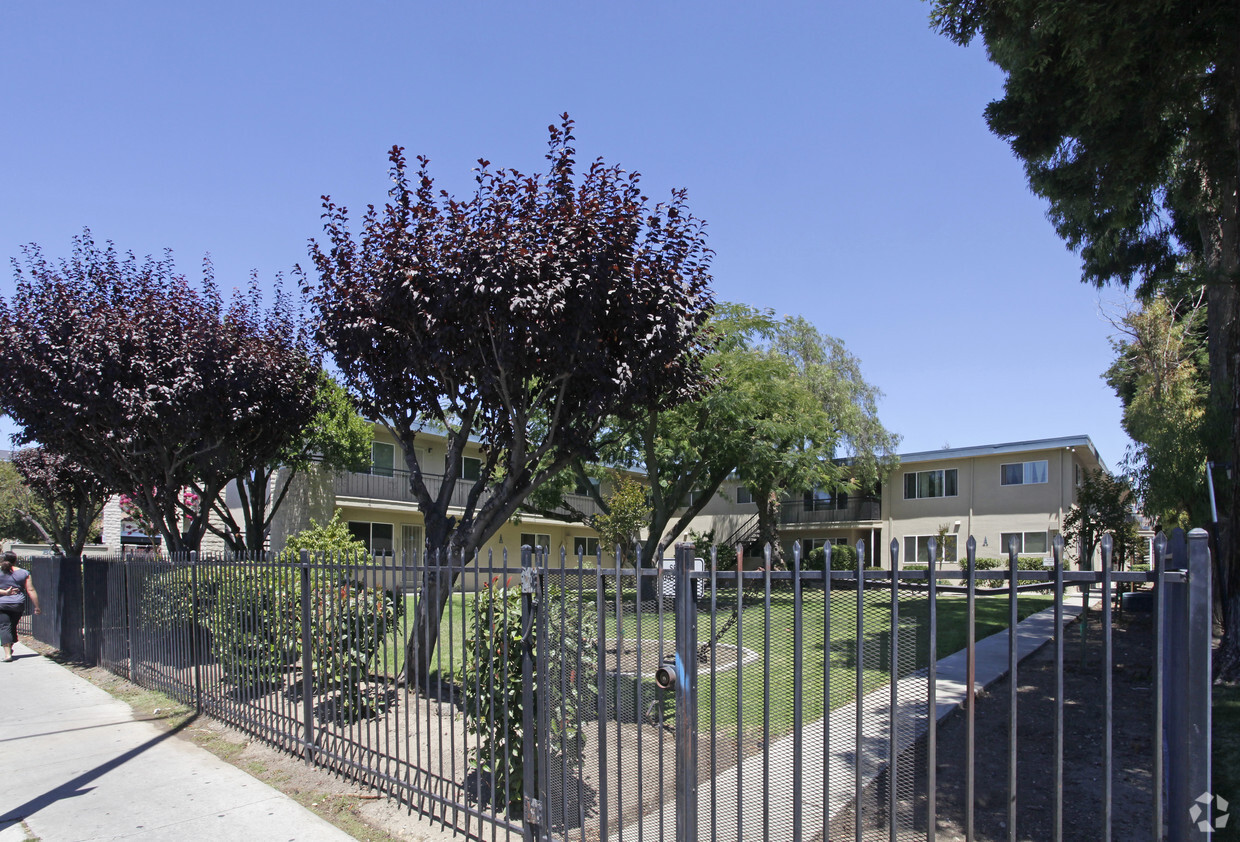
point(1084, 723)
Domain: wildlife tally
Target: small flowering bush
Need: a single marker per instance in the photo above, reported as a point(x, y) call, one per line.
point(349, 624)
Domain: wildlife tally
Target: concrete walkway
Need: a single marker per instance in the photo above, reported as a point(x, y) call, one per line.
point(77, 766)
point(837, 734)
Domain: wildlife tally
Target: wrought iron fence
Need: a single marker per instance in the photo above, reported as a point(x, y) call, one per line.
point(571, 698)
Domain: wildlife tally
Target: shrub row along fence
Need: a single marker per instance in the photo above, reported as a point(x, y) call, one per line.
point(566, 699)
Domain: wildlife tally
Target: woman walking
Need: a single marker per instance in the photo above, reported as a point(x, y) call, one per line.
point(16, 589)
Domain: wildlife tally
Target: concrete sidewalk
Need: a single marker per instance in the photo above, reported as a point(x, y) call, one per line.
point(78, 766)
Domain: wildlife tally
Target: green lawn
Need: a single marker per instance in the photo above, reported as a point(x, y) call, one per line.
point(758, 699)
point(756, 703)
point(1226, 742)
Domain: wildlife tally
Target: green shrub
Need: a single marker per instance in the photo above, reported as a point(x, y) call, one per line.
point(254, 624)
point(843, 557)
point(493, 684)
point(348, 626)
point(916, 567)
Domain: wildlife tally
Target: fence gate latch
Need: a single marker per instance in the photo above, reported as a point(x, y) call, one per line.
point(533, 811)
point(527, 580)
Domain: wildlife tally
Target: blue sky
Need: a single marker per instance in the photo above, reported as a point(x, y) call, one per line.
point(837, 151)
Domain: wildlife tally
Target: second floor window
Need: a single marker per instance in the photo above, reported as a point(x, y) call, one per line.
point(940, 483)
point(743, 495)
point(382, 459)
point(1023, 473)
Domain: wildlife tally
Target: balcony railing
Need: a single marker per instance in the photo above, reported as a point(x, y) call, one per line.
point(823, 511)
point(393, 485)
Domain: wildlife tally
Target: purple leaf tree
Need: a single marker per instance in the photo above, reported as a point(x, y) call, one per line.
point(526, 316)
point(154, 385)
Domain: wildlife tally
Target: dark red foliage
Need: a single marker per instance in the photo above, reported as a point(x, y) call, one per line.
point(527, 315)
point(72, 496)
point(151, 383)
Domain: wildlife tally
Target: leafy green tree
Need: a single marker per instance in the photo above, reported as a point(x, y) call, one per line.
point(16, 502)
point(1127, 120)
point(526, 316)
point(1160, 377)
point(1103, 504)
point(784, 401)
point(336, 437)
point(627, 512)
point(822, 408)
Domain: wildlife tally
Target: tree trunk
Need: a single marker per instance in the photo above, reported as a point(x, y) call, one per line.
point(1224, 339)
point(768, 527)
point(437, 583)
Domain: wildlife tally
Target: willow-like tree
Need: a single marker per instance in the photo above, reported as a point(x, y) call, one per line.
point(526, 315)
point(1127, 119)
point(154, 385)
point(784, 402)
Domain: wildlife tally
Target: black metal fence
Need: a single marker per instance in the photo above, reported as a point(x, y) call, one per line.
point(563, 699)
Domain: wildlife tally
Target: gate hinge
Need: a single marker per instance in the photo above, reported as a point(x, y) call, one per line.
point(533, 811)
point(527, 580)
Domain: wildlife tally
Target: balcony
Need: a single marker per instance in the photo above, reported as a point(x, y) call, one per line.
point(818, 510)
point(393, 486)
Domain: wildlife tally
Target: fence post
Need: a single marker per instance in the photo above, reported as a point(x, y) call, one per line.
point(686, 697)
point(307, 663)
point(1198, 692)
point(195, 645)
point(532, 826)
point(69, 603)
point(1187, 678)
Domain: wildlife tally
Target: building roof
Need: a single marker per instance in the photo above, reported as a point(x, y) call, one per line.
point(1003, 449)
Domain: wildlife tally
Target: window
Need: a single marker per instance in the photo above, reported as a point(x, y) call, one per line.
point(587, 547)
point(536, 539)
point(743, 495)
point(382, 459)
point(411, 542)
point(818, 500)
point(1023, 473)
point(917, 549)
point(376, 536)
point(940, 483)
point(584, 488)
point(471, 468)
point(1026, 542)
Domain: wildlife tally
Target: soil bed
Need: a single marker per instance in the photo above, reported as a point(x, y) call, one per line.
point(1084, 721)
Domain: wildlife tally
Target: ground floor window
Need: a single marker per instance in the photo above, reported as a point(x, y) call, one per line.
point(917, 548)
point(536, 539)
point(1026, 542)
point(376, 536)
point(411, 541)
point(587, 547)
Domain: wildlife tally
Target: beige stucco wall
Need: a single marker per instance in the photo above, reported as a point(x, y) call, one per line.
point(983, 506)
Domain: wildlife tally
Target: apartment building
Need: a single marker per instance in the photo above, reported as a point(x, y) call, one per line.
point(996, 493)
point(1019, 490)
